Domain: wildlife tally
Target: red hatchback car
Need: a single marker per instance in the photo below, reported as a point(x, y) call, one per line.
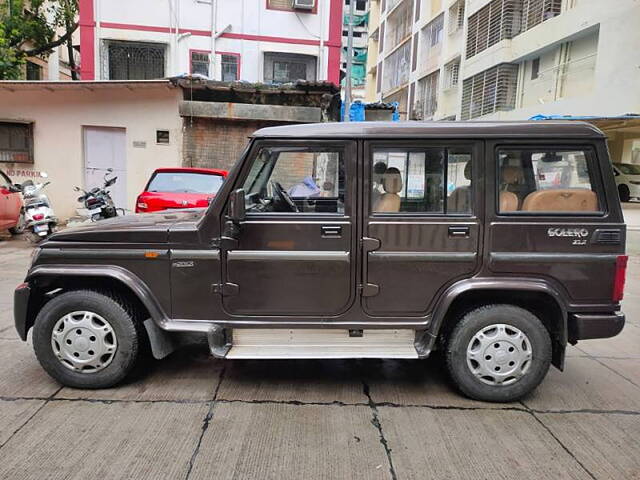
point(10, 204)
point(171, 188)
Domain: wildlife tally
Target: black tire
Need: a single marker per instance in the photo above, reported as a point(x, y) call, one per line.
point(625, 194)
point(110, 307)
point(472, 323)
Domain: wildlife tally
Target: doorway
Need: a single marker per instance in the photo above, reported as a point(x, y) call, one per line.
point(104, 148)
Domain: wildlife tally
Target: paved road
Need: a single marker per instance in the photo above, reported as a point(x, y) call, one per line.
point(191, 416)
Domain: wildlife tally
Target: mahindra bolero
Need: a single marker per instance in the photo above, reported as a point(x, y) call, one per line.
point(496, 244)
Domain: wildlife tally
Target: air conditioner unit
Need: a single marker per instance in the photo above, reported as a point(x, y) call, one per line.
point(303, 4)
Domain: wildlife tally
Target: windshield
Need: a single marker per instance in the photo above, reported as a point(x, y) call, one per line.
point(185, 182)
point(628, 168)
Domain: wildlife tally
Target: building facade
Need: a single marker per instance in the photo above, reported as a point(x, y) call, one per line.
point(269, 41)
point(504, 59)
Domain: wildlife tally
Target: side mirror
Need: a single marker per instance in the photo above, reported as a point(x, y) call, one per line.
point(236, 212)
point(15, 188)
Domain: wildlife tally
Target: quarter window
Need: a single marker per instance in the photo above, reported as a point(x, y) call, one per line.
point(296, 180)
point(546, 181)
point(430, 180)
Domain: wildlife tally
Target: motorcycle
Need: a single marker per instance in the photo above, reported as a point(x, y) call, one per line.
point(98, 200)
point(37, 219)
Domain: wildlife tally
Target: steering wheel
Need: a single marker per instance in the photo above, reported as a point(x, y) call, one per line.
point(283, 196)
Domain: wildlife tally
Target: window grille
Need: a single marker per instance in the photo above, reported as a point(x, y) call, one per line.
point(396, 67)
point(456, 17)
point(200, 63)
point(534, 12)
point(133, 60)
point(431, 39)
point(229, 65)
point(16, 142)
point(504, 19)
point(491, 91)
point(426, 102)
point(452, 74)
point(399, 24)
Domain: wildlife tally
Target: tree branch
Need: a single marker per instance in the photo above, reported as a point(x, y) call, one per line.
point(51, 45)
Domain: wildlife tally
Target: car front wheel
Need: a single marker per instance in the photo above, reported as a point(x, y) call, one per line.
point(498, 353)
point(86, 339)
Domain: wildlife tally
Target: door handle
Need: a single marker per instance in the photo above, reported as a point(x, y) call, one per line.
point(331, 231)
point(459, 232)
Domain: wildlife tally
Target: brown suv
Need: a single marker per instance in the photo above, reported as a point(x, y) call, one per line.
point(497, 243)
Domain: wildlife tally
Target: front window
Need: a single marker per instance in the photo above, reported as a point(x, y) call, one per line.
point(200, 63)
point(230, 67)
point(434, 180)
point(134, 60)
point(546, 181)
point(296, 180)
point(287, 67)
point(185, 182)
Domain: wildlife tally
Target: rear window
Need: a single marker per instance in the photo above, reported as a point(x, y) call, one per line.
point(185, 182)
point(547, 181)
point(628, 168)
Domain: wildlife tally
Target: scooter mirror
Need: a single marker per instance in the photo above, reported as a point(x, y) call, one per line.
point(44, 174)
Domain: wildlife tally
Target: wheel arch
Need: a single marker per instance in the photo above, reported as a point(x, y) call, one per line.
point(48, 278)
point(537, 296)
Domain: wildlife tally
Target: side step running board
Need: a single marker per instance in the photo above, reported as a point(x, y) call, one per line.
point(314, 343)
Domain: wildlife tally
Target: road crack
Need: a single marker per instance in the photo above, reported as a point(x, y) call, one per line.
point(375, 421)
point(205, 424)
point(562, 445)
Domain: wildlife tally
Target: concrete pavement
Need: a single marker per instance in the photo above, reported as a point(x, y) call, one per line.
point(193, 417)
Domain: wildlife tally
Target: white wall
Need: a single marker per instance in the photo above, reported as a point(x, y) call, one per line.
point(59, 116)
point(249, 17)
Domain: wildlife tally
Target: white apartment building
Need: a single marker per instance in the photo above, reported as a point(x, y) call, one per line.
point(271, 41)
point(505, 59)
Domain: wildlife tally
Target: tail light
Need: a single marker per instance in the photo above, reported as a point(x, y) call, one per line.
point(38, 216)
point(92, 201)
point(620, 275)
point(141, 206)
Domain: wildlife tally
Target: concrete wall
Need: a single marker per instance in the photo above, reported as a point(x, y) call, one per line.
point(58, 116)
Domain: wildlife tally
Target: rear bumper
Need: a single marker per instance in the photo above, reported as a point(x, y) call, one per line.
point(20, 309)
point(584, 326)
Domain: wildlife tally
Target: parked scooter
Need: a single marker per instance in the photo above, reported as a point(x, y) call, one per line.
point(37, 218)
point(98, 200)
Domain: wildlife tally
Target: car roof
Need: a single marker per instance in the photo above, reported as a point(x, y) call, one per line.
point(410, 129)
point(207, 171)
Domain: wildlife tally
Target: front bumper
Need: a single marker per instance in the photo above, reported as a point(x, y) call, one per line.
point(584, 326)
point(20, 309)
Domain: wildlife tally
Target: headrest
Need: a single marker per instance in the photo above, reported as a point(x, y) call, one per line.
point(392, 180)
point(510, 175)
point(467, 170)
point(561, 200)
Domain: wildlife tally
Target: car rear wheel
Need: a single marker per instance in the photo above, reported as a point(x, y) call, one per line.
point(625, 194)
point(86, 339)
point(498, 353)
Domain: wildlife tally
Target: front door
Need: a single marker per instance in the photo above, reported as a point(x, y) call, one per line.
point(105, 148)
point(296, 251)
point(421, 223)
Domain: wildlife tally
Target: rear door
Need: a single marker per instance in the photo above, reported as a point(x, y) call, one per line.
point(302, 262)
point(550, 218)
point(421, 222)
